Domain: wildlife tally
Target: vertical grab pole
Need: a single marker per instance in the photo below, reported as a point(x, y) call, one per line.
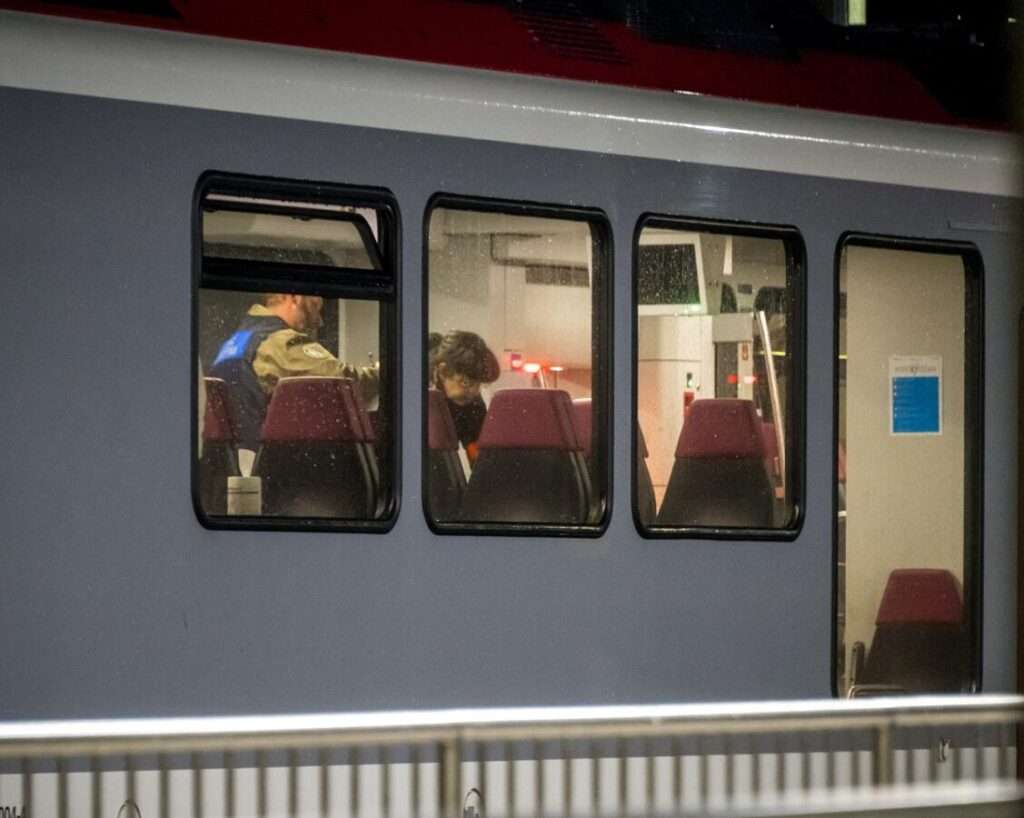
point(773, 393)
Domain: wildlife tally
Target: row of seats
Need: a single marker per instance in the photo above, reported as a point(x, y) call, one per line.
point(317, 459)
point(317, 456)
point(535, 464)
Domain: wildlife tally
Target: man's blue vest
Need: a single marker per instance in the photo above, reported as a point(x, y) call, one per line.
point(233, 364)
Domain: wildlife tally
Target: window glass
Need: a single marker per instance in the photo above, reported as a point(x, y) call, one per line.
point(287, 239)
point(717, 317)
point(295, 334)
point(907, 414)
point(515, 395)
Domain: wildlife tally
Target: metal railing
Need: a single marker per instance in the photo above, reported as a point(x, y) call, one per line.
point(593, 761)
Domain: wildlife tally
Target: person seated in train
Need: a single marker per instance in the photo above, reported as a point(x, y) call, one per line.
point(275, 340)
point(460, 363)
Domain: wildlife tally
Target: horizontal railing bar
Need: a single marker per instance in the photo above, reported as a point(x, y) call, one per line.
point(318, 731)
point(219, 743)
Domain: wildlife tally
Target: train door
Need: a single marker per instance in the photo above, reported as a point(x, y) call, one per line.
point(908, 468)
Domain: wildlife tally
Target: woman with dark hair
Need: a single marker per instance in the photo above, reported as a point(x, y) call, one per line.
point(460, 362)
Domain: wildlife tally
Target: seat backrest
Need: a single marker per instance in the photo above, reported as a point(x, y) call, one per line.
point(219, 425)
point(720, 476)
point(446, 481)
point(531, 466)
point(220, 447)
point(921, 595)
point(317, 457)
point(918, 641)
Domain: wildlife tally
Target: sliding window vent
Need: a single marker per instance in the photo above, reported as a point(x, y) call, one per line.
point(565, 29)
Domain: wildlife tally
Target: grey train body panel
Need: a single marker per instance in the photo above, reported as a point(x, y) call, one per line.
point(117, 602)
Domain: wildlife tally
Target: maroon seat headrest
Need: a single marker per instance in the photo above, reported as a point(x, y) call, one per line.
point(316, 410)
point(219, 423)
point(583, 420)
point(530, 419)
point(921, 596)
point(441, 434)
point(721, 427)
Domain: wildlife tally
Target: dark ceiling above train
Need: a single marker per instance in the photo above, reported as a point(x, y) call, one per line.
point(939, 61)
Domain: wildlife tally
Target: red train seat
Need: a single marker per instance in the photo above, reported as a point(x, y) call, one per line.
point(531, 466)
point(219, 460)
point(317, 457)
point(720, 477)
point(919, 635)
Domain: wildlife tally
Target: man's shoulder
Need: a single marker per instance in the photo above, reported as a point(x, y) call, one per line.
point(286, 338)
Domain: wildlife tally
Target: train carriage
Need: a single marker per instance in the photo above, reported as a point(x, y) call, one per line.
point(754, 433)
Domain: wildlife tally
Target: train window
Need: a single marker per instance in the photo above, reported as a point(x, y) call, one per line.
point(515, 368)
point(907, 480)
point(718, 386)
point(296, 336)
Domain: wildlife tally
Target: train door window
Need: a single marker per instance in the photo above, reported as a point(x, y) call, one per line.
point(295, 331)
point(516, 372)
point(908, 441)
point(719, 379)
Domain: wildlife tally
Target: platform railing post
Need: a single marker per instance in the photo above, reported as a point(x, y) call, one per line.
point(882, 759)
point(451, 764)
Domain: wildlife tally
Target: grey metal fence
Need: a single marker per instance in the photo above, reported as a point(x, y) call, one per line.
point(586, 761)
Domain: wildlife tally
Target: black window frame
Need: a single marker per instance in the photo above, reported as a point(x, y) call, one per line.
point(796, 426)
point(383, 286)
point(601, 345)
point(974, 435)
